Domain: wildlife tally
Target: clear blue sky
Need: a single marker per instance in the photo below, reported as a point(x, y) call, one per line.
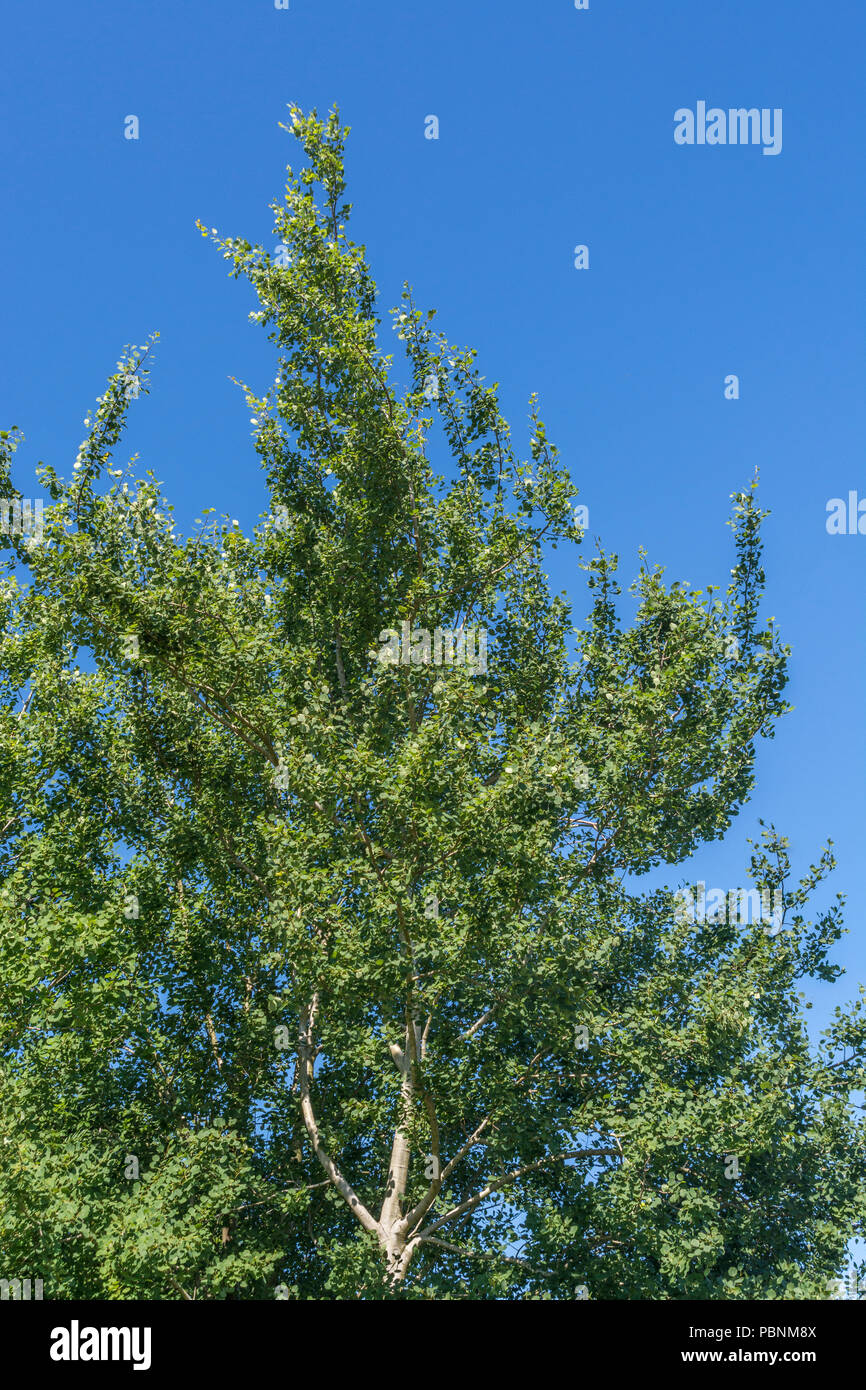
point(556, 128)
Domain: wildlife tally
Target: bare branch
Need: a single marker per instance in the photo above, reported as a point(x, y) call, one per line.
point(211, 1032)
point(480, 1254)
point(496, 1183)
point(304, 1072)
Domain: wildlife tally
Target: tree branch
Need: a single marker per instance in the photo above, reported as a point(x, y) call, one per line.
point(304, 1071)
point(496, 1183)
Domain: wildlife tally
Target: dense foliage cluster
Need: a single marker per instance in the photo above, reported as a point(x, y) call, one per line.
point(333, 977)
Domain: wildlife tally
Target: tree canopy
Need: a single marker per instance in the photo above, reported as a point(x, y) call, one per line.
point(325, 965)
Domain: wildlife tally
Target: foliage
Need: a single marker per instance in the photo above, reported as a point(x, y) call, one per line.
point(329, 973)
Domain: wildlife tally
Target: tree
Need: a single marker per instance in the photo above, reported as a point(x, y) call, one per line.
point(324, 961)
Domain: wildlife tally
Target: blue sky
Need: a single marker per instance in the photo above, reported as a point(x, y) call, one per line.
point(556, 129)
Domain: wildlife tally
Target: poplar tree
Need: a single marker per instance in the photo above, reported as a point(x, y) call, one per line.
point(330, 975)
